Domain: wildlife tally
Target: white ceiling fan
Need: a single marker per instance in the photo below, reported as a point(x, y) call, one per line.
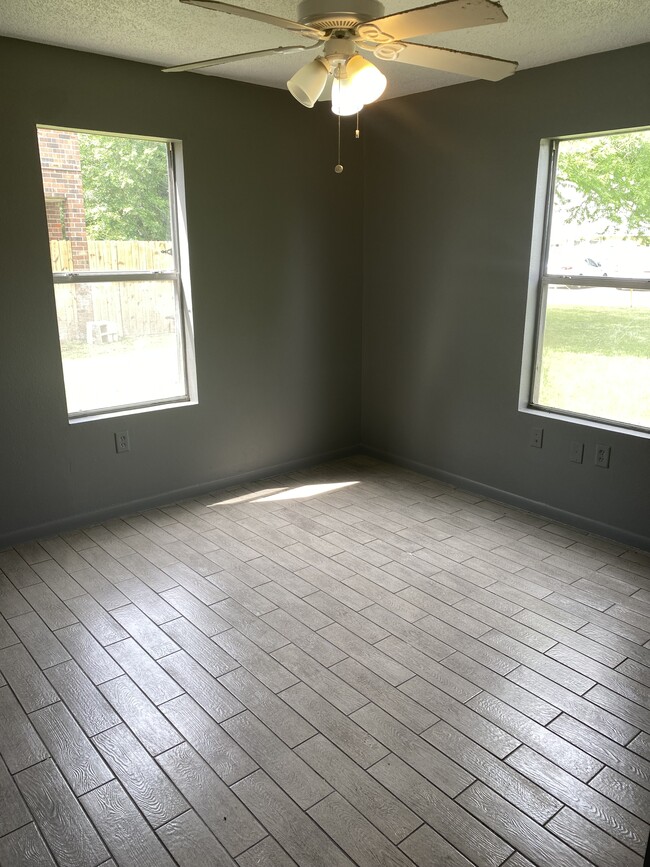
point(353, 26)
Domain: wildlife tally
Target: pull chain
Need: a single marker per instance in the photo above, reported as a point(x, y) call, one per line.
point(338, 168)
point(357, 133)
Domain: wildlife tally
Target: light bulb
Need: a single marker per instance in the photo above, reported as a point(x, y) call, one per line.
point(345, 98)
point(366, 80)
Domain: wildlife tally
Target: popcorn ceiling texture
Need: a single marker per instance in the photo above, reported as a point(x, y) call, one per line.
point(165, 33)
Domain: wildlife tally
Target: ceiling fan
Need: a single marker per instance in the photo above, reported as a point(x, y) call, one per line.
point(346, 27)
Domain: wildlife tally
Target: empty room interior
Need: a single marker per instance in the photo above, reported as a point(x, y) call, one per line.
point(325, 467)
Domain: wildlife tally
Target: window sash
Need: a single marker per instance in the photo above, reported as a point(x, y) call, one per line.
point(182, 318)
point(113, 276)
point(172, 275)
point(547, 279)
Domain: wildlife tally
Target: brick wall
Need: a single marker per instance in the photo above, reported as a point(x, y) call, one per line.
point(62, 184)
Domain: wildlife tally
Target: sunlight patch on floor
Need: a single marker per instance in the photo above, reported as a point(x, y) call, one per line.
point(269, 495)
point(303, 492)
point(247, 498)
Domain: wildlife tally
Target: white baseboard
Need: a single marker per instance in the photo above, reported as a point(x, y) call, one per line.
point(598, 528)
point(85, 519)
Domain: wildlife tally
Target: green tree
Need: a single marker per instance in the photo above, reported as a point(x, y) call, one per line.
point(126, 188)
point(611, 175)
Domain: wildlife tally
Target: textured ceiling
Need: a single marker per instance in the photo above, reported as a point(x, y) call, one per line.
point(165, 33)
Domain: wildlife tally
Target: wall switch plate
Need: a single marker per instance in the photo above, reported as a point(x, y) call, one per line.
point(536, 437)
point(122, 442)
point(602, 456)
point(576, 452)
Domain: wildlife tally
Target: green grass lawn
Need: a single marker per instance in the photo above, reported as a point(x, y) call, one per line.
point(596, 361)
point(598, 331)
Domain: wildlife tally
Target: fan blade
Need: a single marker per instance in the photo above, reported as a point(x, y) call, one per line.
point(448, 15)
point(217, 61)
point(461, 62)
point(284, 23)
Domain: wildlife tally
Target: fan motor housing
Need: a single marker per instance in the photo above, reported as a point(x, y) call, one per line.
point(353, 13)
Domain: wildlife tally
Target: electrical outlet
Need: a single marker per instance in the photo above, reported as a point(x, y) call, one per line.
point(122, 442)
point(536, 437)
point(576, 452)
point(602, 456)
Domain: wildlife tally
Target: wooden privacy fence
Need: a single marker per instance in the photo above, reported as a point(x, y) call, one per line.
point(115, 255)
point(135, 308)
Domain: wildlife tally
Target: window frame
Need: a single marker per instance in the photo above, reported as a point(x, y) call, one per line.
point(178, 276)
point(542, 279)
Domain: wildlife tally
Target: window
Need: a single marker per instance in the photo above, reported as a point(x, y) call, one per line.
point(119, 266)
point(592, 346)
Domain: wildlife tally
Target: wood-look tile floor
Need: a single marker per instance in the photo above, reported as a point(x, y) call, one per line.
point(353, 664)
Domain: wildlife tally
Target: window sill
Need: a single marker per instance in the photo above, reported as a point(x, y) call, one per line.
point(585, 421)
point(158, 407)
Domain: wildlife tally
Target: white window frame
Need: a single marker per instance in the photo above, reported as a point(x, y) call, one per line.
point(541, 279)
point(178, 276)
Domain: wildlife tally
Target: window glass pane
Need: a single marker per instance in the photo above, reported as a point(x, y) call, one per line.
point(107, 200)
point(601, 207)
point(596, 353)
point(120, 344)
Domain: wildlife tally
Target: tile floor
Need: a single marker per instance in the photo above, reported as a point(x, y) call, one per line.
point(353, 664)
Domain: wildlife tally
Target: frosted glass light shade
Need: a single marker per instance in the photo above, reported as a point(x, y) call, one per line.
point(368, 82)
point(308, 83)
point(345, 97)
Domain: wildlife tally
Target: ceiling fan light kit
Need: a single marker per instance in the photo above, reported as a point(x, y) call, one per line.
point(309, 82)
point(357, 83)
point(370, 82)
point(360, 25)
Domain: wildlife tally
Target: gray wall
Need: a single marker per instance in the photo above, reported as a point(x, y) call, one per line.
point(448, 183)
point(450, 180)
point(275, 279)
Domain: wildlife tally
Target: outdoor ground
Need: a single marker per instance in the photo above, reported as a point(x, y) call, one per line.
point(597, 354)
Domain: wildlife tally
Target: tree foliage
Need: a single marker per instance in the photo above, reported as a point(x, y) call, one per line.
point(126, 188)
point(608, 178)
